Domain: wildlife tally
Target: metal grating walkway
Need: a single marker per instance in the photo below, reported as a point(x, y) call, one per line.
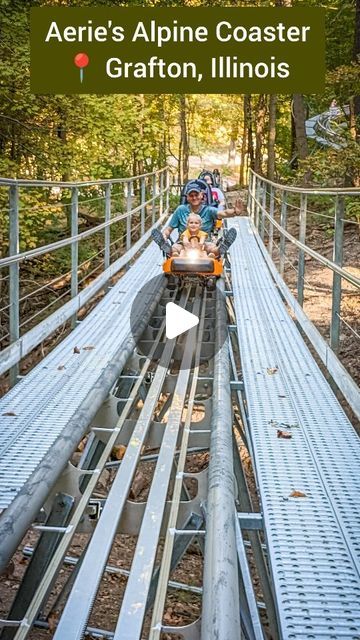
point(44, 401)
point(313, 541)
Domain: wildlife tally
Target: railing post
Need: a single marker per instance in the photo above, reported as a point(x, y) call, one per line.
point(107, 229)
point(271, 226)
point(250, 202)
point(283, 215)
point(336, 286)
point(256, 195)
point(153, 207)
point(263, 203)
point(14, 329)
point(74, 247)
point(128, 218)
point(143, 207)
point(301, 259)
point(161, 201)
point(167, 182)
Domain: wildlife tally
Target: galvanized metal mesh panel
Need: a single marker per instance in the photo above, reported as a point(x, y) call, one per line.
point(46, 399)
point(314, 541)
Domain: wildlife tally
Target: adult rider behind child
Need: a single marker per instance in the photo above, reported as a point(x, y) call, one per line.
point(209, 215)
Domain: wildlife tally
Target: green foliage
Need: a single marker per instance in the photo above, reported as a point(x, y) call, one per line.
point(331, 167)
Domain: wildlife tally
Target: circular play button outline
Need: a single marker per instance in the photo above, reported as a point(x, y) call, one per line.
point(178, 320)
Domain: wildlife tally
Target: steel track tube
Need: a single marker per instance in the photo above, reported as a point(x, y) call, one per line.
point(78, 607)
point(221, 608)
point(20, 514)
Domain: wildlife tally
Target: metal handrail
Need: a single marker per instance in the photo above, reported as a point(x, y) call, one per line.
point(314, 254)
point(52, 183)
point(331, 191)
point(32, 253)
point(158, 185)
point(259, 190)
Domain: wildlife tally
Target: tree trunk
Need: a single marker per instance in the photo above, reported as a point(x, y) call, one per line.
point(242, 168)
point(140, 161)
point(259, 131)
point(184, 140)
point(357, 60)
point(299, 114)
point(249, 133)
point(271, 137)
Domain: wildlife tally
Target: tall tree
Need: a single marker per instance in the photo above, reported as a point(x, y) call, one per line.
point(184, 141)
point(299, 115)
point(271, 137)
point(356, 57)
point(259, 131)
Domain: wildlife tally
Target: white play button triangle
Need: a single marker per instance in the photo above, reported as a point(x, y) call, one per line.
point(178, 320)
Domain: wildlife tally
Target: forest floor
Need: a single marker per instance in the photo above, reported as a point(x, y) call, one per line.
point(184, 607)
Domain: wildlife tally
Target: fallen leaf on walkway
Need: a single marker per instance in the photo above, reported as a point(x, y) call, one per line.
point(138, 485)
point(9, 413)
point(76, 350)
point(284, 434)
point(53, 619)
point(118, 452)
point(273, 423)
point(272, 370)
point(297, 494)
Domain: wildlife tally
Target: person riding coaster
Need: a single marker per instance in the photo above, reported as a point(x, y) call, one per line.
point(217, 195)
point(208, 215)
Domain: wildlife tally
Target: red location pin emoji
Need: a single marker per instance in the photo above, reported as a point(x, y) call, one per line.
point(81, 60)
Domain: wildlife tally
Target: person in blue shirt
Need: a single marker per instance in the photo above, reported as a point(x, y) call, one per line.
point(208, 214)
